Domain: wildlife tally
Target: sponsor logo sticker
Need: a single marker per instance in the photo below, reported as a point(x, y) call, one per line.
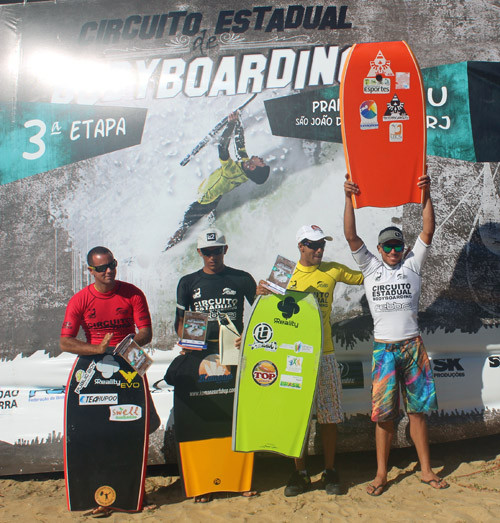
point(288, 307)
point(83, 377)
point(105, 496)
point(98, 399)
point(265, 373)
point(125, 413)
point(376, 86)
point(395, 132)
point(368, 115)
point(298, 346)
point(294, 364)
point(129, 376)
point(262, 332)
point(291, 382)
point(395, 111)
point(380, 66)
point(108, 366)
point(402, 80)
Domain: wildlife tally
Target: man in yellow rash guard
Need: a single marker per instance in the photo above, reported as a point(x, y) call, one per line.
point(314, 275)
point(228, 176)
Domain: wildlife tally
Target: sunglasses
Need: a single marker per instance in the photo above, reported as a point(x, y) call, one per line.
point(103, 268)
point(212, 251)
point(397, 248)
point(314, 245)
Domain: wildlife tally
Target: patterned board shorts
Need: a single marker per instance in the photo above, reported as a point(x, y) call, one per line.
point(404, 364)
point(329, 391)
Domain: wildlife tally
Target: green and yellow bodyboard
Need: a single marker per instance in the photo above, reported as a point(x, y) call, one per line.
point(277, 374)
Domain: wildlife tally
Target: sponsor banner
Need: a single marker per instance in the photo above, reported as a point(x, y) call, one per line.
point(9, 399)
point(494, 361)
point(103, 102)
point(38, 137)
point(448, 368)
point(351, 374)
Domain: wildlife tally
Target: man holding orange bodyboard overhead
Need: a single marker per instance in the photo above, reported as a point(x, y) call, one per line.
point(382, 109)
point(392, 287)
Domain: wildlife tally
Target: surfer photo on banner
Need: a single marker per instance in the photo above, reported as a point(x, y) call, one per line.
point(203, 387)
point(314, 275)
point(392, 285)
point(104, 390)
point(228, 176)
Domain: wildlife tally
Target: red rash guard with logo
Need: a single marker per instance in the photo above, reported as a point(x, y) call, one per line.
point(118, 311)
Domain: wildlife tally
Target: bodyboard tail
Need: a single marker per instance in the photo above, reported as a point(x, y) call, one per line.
point(211, 466)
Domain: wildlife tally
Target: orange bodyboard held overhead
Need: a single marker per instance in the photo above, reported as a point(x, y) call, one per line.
point(382, 109)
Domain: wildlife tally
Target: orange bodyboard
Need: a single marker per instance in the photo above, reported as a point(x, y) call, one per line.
point(210, 465)
point(382, 108)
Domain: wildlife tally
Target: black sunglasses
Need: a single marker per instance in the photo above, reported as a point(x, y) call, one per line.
point(103, 268)
point(314, 245)
point(212, 251)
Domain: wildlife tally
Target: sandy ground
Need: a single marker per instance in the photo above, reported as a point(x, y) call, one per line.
point(472, 468)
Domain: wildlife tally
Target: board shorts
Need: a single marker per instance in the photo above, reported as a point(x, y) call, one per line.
point(402, 364)
point(329, 391)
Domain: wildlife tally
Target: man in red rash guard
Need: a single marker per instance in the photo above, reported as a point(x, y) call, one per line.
point(107, 310)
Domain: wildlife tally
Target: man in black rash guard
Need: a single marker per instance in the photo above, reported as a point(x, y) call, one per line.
point(229, 175)
point(203, 388)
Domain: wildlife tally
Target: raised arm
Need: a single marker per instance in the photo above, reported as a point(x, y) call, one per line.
point(354, 241)
point(428, 219)
point(226, 136)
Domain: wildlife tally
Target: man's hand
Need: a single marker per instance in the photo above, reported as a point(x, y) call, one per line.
point(104, 343)
point(82, 348)
point(350, 188)
point(237, 343)
point(261, 289)
point(233, 117)
point(424, 182)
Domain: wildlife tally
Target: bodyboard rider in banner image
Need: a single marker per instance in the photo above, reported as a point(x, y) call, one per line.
point(227, 177)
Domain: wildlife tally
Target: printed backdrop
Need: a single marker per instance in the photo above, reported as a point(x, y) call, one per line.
point(100, 103)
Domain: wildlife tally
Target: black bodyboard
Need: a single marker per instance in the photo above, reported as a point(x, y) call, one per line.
point(106, 434)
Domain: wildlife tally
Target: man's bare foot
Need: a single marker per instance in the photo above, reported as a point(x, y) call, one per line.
point(204, 498)
point(249, 493)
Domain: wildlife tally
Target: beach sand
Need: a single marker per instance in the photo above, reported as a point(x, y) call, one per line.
point(472, 467)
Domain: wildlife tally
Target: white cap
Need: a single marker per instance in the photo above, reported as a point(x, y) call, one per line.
point(211, 238)
point(313, 233)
